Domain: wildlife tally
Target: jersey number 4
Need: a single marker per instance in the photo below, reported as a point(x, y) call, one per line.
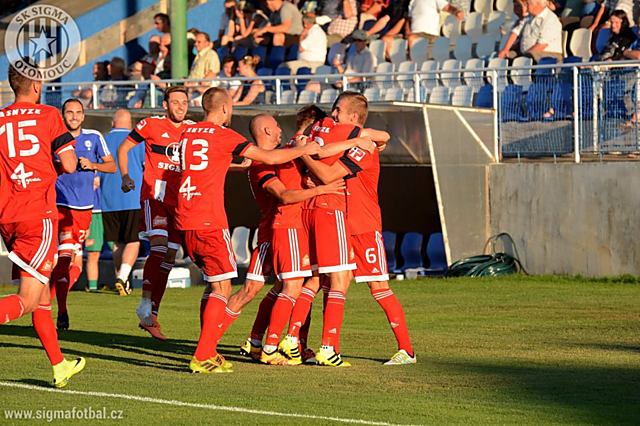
point(9, 130)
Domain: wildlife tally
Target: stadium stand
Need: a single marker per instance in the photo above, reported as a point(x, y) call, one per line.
point(411, 251)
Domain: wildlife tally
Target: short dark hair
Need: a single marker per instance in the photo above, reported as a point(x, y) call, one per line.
point(206, 35)
point(18, 82)
point(71, 100)
point(214, 98)
point(174, 89)
point(308, 115)
point(163, 17)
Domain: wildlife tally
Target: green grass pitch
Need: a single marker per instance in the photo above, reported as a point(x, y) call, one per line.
point(533, 350)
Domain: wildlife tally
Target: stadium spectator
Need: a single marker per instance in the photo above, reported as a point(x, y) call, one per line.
point(140, 70)
point(229, 69)
point(163, 66)
point(85, 96)
point(312, 50)
point(163, 24)
point(114, 96)
point(252, 90)
point(346, 21)
point(228, 27)
point(397, 12)
point(622, 37)
point(358, 60)
point(249, 19)
point(604, 10)
point(154, 51)
point(372, 19)
point(540, 33)
point(121, 211)
point(206, 64)
point(284, 27)
point(424, 18)
point(510, 49)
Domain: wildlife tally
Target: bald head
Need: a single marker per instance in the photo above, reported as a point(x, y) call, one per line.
point(265, 131)
point(214, 99)
point(122, 119)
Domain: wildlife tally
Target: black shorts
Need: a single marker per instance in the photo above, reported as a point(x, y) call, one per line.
point(121, 226)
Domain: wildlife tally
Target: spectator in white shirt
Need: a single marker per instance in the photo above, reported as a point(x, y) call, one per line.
point(312, 50)
point(424, 16)
point(359, 60)
point(540, 33)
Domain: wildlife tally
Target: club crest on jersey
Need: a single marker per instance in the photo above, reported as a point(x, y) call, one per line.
point(173, 152)
point(87, 144)
point(48, 265)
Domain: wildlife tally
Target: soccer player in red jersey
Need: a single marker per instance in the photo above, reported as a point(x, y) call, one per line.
point(361, 170)
point(207, 150)
point(30, 134)
point(278, 193)
point(158, 196)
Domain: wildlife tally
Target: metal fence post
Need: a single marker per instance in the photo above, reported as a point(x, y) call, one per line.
point(94, 96)
point(496, 117)
point(278, 91)
point(597, 95)
point(152, 93)
point(416, 87)
point(345, 83)
point(576, 115)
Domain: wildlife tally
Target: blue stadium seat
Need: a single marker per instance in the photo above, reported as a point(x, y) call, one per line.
point(545, 75)
point(276, 56)
point(411, 250)
point(585, 99)
point(240, 52)
point(602, 40)
point(536, 101)
point(223, 52)
point(292, 53)
point(511, 103)
point(266, 72)
point(286, 83)
point(260, 51)
point(390, 249)
point(301, 83)
point(614, 106)
point(436, 255)
point(484, 97)
point(562, 101)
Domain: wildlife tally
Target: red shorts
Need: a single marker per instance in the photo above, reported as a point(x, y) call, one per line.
point(32, 246)
point(261, 264)
point(370, 257)
point(291, 253)
point(158, 220)
point(211, 251)
point(331, 241)
point(73, 226)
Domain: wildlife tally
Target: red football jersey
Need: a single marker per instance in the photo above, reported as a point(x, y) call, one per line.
point(325, 132)
point(291, 176)
point(162, 157)
point(29, 136)
point(259, 177)
point(206, 153)
point(363, 210)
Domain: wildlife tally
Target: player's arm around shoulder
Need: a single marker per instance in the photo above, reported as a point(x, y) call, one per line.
point(280, 156)
point(291, 196)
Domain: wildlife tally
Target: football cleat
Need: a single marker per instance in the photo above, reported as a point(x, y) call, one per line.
point(289, 347)
point(123, 288)
point(215, 364)
point(63, 321)
point(401, 357)
point(153, 329)
point(274, 358)
point(308, 356)
point(65, 370)
point(330, 358)
point(250, 351)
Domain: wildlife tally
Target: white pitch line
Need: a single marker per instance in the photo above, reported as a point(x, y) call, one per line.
point(195, 405)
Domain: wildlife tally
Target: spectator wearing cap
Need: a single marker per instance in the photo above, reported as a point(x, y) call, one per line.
point(358, 60)
point(424, 18)
point(540, 33)
point(284, 27)
point(344, 24)
point(312, 50)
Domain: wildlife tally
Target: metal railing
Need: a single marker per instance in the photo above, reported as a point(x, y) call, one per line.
point(543, 110)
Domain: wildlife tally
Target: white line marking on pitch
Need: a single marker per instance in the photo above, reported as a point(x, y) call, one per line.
point(194, 405)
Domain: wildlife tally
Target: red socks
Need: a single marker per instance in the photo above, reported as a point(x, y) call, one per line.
point(74, 274)
point(212, 322)
point(264, 314)
point(279, 316)
point(43, 323)
point(60, 279)
point(11, 308)
point(151, 273)
point(203, 304)
point(393, 309)
point(333, 317)
point(159, 286)
point(301, 312)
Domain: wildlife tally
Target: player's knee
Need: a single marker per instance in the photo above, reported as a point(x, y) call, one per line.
point(377, 286)
point(30, 303)
point(252, 288)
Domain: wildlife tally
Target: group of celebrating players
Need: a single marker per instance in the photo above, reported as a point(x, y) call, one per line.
point(320, 222)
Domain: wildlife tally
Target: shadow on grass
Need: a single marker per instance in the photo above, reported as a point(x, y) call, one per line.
point(590, 393)
point(634, 349)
